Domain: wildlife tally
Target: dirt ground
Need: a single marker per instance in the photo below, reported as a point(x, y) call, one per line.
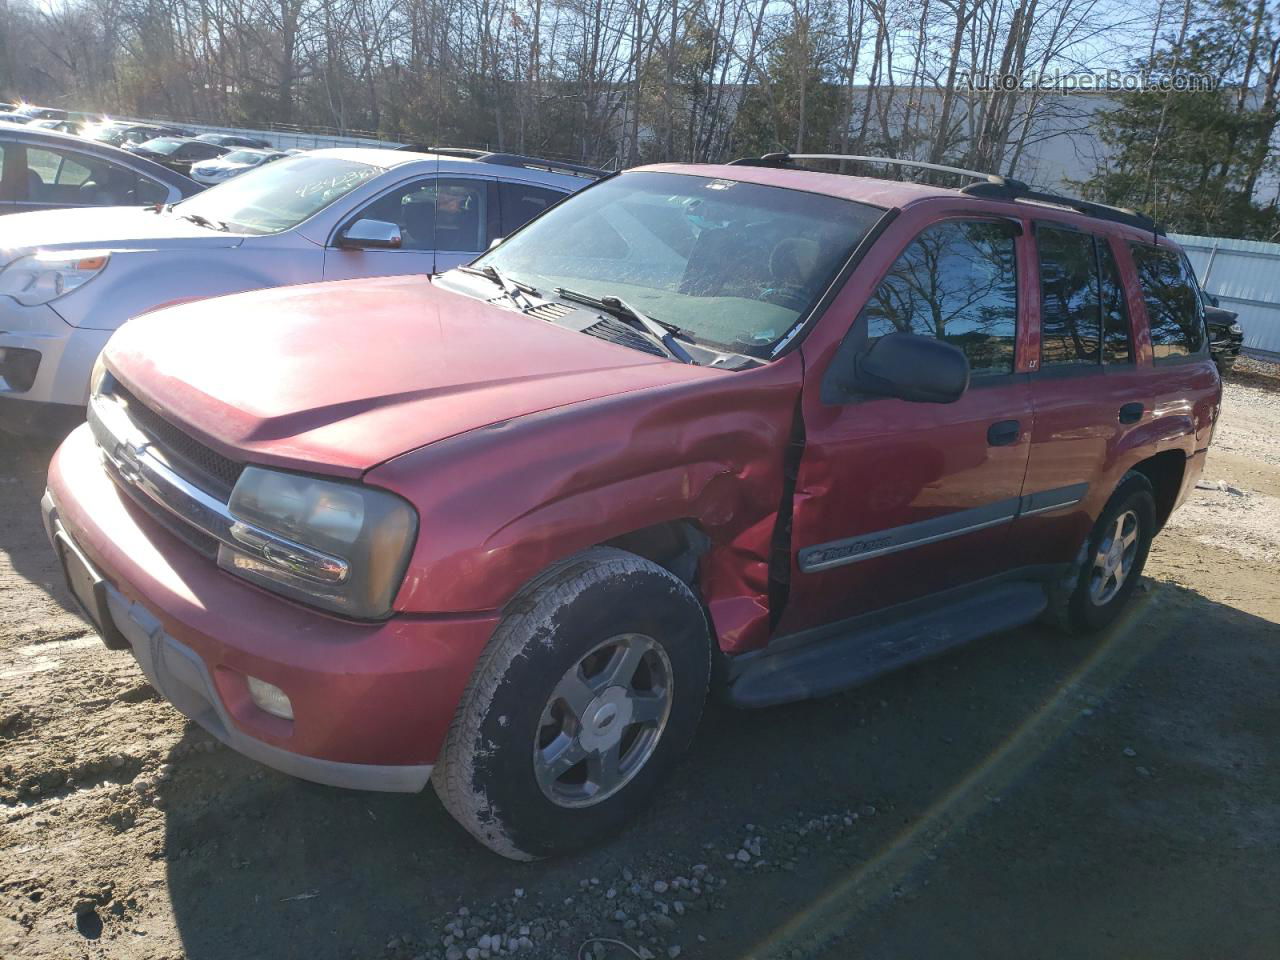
point(1027, 796)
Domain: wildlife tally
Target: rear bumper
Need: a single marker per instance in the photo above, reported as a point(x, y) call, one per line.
point(371, 702)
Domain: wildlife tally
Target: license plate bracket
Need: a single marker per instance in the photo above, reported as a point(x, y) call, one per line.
point(89, 590)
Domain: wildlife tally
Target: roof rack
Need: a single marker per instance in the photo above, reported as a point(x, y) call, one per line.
point(786, 159)
point(1017, 190)
point(991, 186)
point(510, 160)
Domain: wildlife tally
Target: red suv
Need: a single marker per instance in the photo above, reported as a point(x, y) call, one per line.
point(750, 428)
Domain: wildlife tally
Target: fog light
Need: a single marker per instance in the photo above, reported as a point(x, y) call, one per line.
point(270, 698)
point(18, 367)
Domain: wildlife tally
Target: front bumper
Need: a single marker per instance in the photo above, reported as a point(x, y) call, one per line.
point(371, 702)
point(1226, 349)
point(66, 353)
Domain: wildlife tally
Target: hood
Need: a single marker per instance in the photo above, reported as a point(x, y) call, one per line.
point(339, 377)
point(1218, 317)
point(111, 228)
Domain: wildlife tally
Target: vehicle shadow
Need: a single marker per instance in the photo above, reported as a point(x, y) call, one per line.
point(260, 864)
point(24, 464)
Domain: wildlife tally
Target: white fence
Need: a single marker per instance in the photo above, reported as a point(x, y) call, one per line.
point(280, 137)
point(1245, 277)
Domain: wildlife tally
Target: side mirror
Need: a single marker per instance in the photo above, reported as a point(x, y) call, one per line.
point(910, 367)
point(1213, 301)
point(370, 235)
point(495, 241)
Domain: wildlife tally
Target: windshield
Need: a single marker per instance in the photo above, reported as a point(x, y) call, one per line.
point(280, 195)
point(163, 145)
point(733, 264)
point(244, 156)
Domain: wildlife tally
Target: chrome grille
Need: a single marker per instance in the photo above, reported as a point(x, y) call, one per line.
point(209, 470)
point(161, 481)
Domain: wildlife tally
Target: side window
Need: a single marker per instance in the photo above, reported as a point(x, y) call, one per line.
point(461, 215)
point(72, 173)
point(58, 177)
point(151, 191)
point(957, 281)
point(520, 203)
point(1070, 320)
point(1174, 310)
point(411, 207)
point(42, 173)
point(1116, 339)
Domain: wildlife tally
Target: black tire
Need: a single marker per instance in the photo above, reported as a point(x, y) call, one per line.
point(485, 775)
point(1076, 606)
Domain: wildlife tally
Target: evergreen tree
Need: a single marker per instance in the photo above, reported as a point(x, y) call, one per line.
point(1195, 159)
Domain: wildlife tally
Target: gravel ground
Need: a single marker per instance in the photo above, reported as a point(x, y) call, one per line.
point(1029, 795)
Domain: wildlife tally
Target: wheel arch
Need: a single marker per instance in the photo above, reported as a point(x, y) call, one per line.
point(1165, 472)
point(677, 545)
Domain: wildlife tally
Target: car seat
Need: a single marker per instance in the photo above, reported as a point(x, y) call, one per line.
point(417, 218)
point(459, 228)
point(35, 187)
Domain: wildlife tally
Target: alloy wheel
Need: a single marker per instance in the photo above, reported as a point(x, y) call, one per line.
point(1113, 562)
point(603, 721)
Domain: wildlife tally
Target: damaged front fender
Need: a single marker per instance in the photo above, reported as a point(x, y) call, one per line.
point(500, 504)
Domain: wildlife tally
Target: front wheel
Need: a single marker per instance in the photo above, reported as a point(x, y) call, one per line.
point(586, 695)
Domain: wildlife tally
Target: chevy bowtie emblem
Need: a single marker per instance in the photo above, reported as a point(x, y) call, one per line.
point(129, 457)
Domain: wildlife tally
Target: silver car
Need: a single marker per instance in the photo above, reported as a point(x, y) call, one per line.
point(239, 161)
point(69, 278)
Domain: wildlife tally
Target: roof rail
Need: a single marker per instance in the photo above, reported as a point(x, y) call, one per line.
point(510, 160)
point(991, 186)
point(1017, 190)
point(785, 159)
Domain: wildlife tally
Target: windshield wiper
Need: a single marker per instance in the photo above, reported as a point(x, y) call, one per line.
point(205, 222)
point(516, 291)
point(663, 334)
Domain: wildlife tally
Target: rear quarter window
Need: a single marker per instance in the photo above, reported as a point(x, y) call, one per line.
point(521, 202)
point(1174, 311)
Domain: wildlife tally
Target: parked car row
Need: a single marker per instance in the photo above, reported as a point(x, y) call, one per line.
point(69, 278)
point(755, 430)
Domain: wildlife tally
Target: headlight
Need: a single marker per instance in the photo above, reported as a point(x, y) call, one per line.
point(1236, 328)
point(97, 376)
point(363, 537)
point(41, 277)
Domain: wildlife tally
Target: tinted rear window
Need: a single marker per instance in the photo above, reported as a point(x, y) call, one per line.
point(1070, 321)
point(1173, 306)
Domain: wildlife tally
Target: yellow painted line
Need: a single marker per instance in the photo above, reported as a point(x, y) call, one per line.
point(1123, 645)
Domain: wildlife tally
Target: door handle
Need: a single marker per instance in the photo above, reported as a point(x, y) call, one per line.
point(1131, 413)
point(1003, 432)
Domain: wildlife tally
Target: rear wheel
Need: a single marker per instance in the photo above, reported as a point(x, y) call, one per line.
point(1111, 561)
point(586, 695)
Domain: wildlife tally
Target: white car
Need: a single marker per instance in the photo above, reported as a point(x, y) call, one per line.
point(219, 169)
point(69, 278)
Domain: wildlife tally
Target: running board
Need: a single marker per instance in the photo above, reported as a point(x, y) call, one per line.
point(829, 660)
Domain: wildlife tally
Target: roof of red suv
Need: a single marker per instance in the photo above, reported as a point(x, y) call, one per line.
point(891, 194)
point(881, 193)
